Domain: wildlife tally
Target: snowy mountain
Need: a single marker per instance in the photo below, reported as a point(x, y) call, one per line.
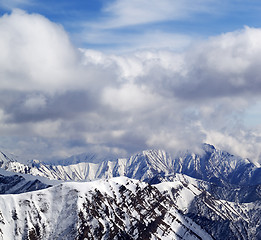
point(119, 208)
point(140, 166)
point(212, 195)
point(212, 165)
point(123, 208)
point(221, 218)
point(218, 166)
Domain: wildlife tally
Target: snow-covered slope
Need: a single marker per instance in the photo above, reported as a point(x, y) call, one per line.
point(18, 184)
point(11, 183)
point(217, 191)
point(212, 165)
point(218, 166)
point(141, 166)
point(123, 208)
point(220, 218)
point(118, 208)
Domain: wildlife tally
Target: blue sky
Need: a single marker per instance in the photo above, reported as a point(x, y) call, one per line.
point(104, 24)
point(123, 76)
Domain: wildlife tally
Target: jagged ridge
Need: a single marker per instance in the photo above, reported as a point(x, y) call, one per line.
point(212, 165)
point(118, 208)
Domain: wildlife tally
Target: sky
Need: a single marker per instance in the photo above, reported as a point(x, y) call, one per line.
point(119, 77)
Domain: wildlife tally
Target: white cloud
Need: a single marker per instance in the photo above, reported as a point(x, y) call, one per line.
point(121, 26)
point(124, 13)
point(35, 53)
point(246, 144)
point(47, 129)
point(62, 97)
point(129, 97)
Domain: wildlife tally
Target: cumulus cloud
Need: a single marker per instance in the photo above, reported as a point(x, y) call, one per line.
point(225, 65)
point(58, 100)
point(35, 53)
point(206, 89)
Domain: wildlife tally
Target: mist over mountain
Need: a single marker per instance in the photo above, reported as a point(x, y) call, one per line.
point(135, 87)
point(58, 98)
point(211, 165)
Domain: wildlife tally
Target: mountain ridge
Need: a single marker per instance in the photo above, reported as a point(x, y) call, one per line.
point(123, 208)
point(191, 190)
point(119, 208)
point(212, 165)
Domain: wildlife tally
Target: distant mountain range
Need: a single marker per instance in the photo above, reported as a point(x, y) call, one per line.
point(211, 165)
point(212, 195)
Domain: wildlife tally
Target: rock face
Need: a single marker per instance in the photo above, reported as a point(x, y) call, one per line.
point(17, 184)
point(118, 208)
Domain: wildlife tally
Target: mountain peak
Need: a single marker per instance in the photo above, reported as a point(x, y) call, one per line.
point(208, 147)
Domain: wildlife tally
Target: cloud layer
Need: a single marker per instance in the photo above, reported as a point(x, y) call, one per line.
point(56, 100)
